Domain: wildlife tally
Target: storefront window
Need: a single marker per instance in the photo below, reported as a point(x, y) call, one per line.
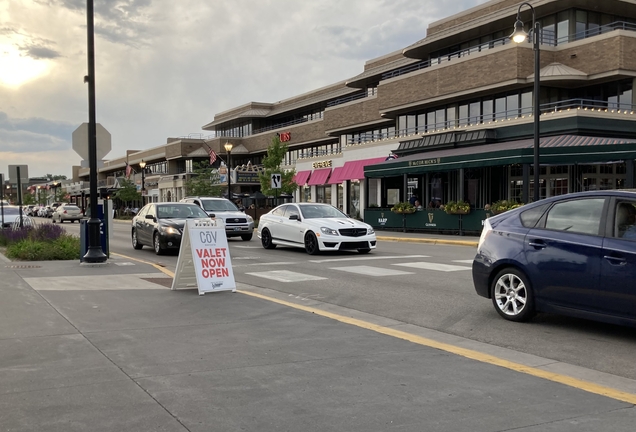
point(339, 197)
point(354, 199)
point(323, 194)
point(306, 194)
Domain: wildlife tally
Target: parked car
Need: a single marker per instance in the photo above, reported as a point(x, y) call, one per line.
point(12, 216)
point(30, 209)
point(160, 225)
point(572, 254)
point(314, 227)
point(66, 212)
point(237, 223)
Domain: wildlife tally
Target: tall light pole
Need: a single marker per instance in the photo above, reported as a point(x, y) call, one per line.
point(228, 148)
point(142, 165)
point(94, 255)
point(519, 35)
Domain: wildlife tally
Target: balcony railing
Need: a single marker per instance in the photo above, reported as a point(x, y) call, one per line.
point(559, 106)
point(547, 38)
point(344, 100)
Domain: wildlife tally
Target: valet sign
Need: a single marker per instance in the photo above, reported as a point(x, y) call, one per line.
point(204, 252)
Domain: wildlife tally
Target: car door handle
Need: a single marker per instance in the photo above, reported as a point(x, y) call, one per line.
point(616, 260)
point(537, 244)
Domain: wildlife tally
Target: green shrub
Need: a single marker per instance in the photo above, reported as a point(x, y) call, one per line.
point(65, 247)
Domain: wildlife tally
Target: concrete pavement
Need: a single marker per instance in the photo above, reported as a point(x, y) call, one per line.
point(111, 348)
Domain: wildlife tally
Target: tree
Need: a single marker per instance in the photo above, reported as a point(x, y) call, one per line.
point(271, 164)
point(55, 177)
point(127, 191)
point(28, 199)
point(205, 181)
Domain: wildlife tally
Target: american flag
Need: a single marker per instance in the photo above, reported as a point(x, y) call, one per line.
point(212, 156)
point(391, 156)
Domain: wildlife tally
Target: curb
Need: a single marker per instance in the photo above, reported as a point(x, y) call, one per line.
point(429, 241)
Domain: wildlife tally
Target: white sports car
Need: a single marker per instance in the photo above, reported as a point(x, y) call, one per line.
point(314, 227)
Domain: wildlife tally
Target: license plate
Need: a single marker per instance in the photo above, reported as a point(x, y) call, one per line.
point(237, 228)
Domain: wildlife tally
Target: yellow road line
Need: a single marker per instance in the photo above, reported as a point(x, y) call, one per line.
point(471, 354)
point(463, 352)
point(157, 266)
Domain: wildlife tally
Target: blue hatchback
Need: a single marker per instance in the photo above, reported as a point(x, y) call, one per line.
point(571, 254)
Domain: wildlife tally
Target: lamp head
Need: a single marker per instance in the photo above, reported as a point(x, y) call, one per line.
point(142, 164)
point(519, 35)
point(228, 147)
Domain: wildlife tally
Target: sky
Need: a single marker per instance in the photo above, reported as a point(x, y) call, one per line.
point(164, 68)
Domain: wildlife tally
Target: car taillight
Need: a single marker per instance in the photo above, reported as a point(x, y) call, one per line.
point(487, 229)
point(64, 211)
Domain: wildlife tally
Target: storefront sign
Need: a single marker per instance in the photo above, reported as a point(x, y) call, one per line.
point(421, 162)
point(431, 217)
point(382, 220)
point(323, 164)
point(247, 177)
point(204, 258)
point(284, 136)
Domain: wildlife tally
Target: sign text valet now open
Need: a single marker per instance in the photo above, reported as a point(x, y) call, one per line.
point(204, 258)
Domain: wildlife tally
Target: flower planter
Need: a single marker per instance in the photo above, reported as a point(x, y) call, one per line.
point(459, 212)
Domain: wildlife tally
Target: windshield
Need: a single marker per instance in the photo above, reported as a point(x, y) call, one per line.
point(180, 212)
point(321, 211)
point(11, 211)
point(219, 205)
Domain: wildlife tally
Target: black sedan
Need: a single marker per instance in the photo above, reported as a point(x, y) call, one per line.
point(572, 255)
point(160, 225)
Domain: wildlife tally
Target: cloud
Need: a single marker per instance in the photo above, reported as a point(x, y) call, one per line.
point(40, 52)
point(164, 68)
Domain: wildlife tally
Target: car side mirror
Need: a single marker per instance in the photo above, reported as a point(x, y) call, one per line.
point(294, 217)
point(150, 217)
point(212, 215)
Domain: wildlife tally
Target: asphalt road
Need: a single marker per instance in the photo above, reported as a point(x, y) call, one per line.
point(426, 285)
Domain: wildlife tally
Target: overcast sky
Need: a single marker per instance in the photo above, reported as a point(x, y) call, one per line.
point(165, 67)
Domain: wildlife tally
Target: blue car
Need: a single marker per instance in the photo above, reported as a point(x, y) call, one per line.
point(572, 255)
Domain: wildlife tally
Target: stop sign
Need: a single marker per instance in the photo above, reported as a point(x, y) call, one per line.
point(80, 141)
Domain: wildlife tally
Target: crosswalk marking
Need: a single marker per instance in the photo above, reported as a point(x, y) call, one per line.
point(367, 257)
point(371, 271)
point(464, 261)
point(286, 276)
point(434, 266)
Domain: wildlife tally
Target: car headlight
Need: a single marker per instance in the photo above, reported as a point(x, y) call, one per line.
point(249, 218)
point(169, 230)
point(329, 231)
point(370, 231)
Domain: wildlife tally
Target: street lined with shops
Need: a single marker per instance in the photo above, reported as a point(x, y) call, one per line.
point(395, 338)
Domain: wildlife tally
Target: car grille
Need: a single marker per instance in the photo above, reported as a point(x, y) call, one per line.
point(354, 245)
point(235, 220)
point(353, 232)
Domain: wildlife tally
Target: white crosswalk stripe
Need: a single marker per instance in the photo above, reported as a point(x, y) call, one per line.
point(286, 276)
point(434, 266)
point(464, 261)
point(371, 271)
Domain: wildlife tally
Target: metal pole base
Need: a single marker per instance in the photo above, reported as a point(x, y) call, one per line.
point(94, 254)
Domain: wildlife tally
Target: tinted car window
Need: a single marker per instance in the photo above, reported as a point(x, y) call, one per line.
point(219, 205)
point(580, 216)
point(625, 220)
point(279, 211)
point(291, 210)
point(143, 211)
point(530, 217)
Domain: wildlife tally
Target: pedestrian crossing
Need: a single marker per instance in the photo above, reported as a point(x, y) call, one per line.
point(379, 269)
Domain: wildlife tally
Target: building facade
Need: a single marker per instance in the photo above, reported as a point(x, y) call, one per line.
point(450, 118)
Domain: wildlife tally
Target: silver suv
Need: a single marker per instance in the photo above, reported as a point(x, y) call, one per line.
point(237, 223)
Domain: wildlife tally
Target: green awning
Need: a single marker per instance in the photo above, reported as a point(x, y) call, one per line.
point(563, 149)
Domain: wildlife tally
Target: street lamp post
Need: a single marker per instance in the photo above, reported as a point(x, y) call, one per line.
point(228, 148)
point(142, 165)
point(519, 35)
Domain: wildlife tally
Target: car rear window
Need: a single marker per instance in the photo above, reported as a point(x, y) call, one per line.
point(70, 207)
point(530, 217)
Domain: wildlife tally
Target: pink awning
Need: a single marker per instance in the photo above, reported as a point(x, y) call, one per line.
point(319, 177)
point(336, 175)
point(301, 177)
point(354, 170)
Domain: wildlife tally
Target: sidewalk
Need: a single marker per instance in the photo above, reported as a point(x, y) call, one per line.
point(110, 348)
